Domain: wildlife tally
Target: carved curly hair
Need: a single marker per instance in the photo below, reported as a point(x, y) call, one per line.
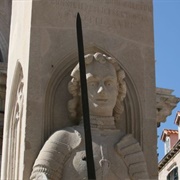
point(74, 105)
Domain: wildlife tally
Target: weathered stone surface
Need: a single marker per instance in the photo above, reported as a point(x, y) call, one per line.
point(116, 155)
point(43, 43)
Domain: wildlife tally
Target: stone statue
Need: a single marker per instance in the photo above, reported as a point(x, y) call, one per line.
point(117, 156)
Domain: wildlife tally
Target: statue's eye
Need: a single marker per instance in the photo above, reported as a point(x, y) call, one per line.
point(109, 83)
point(92, 83)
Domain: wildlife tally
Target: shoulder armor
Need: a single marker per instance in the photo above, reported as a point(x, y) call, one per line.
point(55, 152)
point(133, 156)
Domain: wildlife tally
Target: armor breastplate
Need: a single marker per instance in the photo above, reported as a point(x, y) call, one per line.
point(108, 164)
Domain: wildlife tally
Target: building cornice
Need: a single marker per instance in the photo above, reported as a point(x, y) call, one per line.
point(165, 103)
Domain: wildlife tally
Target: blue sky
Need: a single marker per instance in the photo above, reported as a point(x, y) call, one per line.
point(167, 55)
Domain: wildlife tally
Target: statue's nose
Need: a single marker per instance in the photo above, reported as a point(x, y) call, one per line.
point(101, 89)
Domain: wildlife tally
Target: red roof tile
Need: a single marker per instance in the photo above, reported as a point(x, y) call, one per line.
point(170, 131)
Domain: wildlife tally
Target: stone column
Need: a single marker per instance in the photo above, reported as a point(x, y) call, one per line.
point(14, 159)
point(43, 51)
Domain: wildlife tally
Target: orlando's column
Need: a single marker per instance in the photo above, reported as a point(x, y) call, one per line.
point(43, 52)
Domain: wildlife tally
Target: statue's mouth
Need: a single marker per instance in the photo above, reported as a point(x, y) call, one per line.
point(101, 100)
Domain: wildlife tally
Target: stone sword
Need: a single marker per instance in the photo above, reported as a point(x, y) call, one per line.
point(85, 105)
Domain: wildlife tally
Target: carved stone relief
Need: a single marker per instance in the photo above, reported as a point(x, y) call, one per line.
point(57, 94)
point(14, 144)
point(117, 154)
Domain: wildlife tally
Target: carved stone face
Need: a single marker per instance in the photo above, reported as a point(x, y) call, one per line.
point(102, 88)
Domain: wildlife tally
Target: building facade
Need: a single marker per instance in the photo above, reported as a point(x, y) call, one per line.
point(169, 166)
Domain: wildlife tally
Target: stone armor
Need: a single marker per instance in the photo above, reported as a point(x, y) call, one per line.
point(117, 156)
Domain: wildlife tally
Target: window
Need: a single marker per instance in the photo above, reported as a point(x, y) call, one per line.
point(167, 145)
point(173, 175)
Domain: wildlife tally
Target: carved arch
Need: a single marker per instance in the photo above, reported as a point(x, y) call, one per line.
point(13, 125)
point(60, 77)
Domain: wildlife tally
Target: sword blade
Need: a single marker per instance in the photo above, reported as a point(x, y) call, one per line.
point(85, 104)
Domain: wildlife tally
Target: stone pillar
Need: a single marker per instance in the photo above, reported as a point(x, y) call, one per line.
point(43, 51)
point(16, 108)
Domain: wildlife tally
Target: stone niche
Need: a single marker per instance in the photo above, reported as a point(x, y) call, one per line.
point(122, 29)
